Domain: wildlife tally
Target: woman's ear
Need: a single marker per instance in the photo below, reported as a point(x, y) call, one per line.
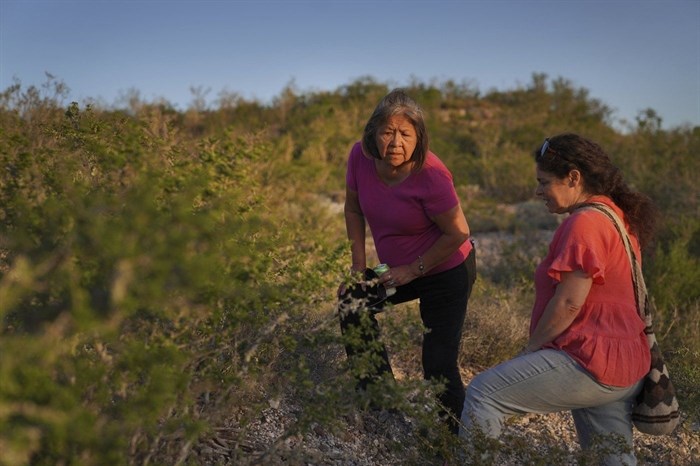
point(575, 178)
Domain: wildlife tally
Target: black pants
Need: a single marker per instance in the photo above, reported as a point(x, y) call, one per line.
point(443, 307)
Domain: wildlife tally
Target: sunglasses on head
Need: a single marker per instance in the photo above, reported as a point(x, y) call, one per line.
point(545, 146)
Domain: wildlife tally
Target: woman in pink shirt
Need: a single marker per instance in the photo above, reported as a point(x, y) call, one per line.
point(406, 196)
point(587, 350)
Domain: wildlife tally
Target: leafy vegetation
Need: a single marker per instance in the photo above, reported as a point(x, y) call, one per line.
point(161, 271)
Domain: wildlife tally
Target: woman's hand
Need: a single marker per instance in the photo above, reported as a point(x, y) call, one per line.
point(397, 276)
point(527, 349)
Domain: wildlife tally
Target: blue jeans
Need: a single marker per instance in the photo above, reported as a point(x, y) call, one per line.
point(548, 381)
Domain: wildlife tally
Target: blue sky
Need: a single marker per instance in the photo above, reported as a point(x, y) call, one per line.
point(631, 55)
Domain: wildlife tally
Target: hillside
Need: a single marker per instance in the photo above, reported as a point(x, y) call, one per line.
point(167, 278)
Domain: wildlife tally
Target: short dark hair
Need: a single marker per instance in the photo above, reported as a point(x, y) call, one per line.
point(397, 102)
point(562, 153)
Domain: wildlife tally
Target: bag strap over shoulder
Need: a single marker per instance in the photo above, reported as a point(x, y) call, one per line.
point(641, 295)
point(656, 411)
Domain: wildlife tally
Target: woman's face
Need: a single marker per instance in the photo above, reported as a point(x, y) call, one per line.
point(397, 140)
point(558, 194)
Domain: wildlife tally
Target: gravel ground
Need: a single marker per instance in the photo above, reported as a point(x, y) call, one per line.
point(381, 438)
point(385, 439)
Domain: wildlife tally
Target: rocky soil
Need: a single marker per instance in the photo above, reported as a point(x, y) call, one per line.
point(387, 438)
point(384, 438)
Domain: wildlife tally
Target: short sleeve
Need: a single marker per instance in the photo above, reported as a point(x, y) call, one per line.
point(351, 173)
point(580, 245)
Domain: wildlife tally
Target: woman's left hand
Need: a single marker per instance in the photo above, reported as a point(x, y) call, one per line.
point(526, 350)
point(397, 276)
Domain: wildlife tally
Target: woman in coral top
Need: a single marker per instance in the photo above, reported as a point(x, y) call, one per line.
point(587, 351)
point(406, 196)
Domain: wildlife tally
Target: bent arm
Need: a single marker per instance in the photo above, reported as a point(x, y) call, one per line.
point(562, 309)
point(355, 227)
point(455, 231)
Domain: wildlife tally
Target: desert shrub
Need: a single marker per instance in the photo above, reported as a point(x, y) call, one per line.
point(163, 274)
point(517, 258)
point(684, 366)
point(673, 273)
point(538, 449)
point(497, 324)
point(486, 215)
point(674, 269)
point(142, 273)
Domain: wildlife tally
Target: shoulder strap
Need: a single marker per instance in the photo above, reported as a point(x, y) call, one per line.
point(641, 295)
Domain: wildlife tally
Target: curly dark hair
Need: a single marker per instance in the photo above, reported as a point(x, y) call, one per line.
point(397, 102)
point(565, 152)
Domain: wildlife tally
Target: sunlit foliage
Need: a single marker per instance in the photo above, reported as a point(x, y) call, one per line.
point(162, 270)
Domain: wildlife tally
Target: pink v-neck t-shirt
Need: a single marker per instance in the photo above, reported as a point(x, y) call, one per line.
point(607, 336)
point(399, 216)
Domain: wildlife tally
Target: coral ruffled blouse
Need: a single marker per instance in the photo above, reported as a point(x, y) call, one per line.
point(607, 337)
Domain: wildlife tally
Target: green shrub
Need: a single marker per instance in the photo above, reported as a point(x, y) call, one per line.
point(162, 272)
point(141, 274)
point(674, 270)
point(497, 323)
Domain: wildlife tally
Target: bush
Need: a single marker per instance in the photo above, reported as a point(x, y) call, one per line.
point(140, 273)
point(164, 273)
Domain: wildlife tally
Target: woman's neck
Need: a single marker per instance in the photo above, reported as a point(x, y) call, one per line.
point(582, 200)
point(392, 175)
